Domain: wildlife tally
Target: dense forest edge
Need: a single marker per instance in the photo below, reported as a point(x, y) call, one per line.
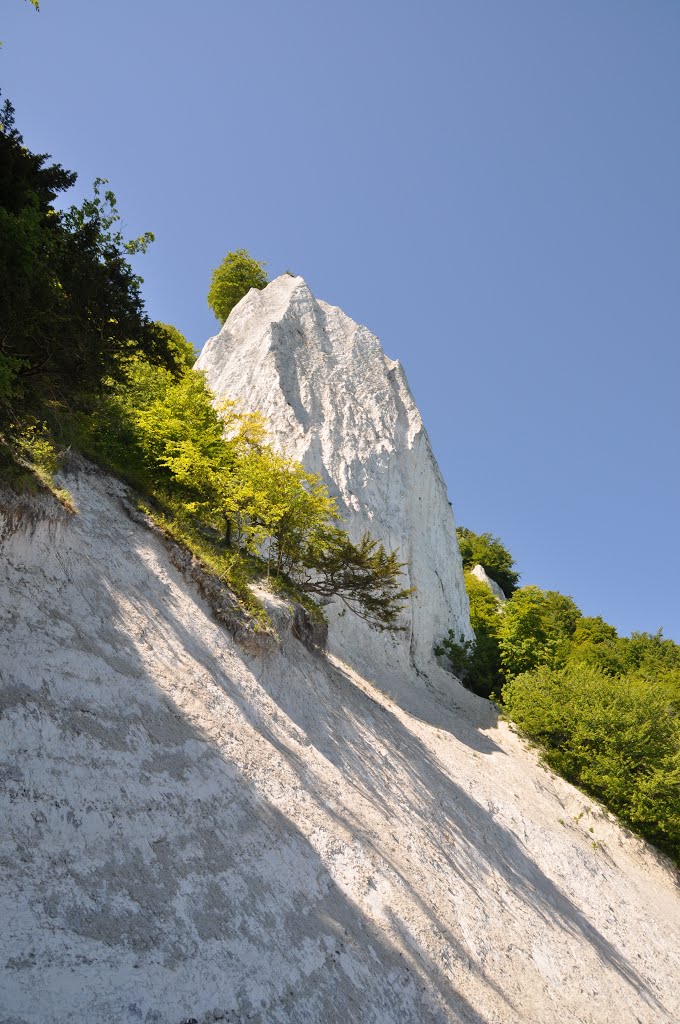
point(84, 368)
point(603, 709)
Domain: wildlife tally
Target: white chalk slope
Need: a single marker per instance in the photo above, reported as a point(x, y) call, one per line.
point(334, 401)
point(189, 834)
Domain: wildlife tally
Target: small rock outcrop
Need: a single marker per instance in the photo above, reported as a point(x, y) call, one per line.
point(480, 573)
point(334, 401)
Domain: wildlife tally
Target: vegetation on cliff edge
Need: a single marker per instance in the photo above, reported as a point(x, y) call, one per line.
point(83, 365)
point(604, 709)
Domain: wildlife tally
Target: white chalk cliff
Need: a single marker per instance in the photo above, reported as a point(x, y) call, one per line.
point(192, 833)
point(335, 402)
point(197, 825)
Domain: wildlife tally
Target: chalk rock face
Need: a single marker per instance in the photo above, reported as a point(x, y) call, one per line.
point(335, 402)
point(190, 832)
point(480, 573)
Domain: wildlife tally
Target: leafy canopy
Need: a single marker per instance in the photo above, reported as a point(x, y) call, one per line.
point(236, 275)
point(604, 709)
point(536, 628)
point(70, 303)
point(477, 663)
point(215, 468)
point(617, 737)
point(182, 351)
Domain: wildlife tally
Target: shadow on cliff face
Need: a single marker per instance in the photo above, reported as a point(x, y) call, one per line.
point(378, 754)
point(363, 973)
point(388, 766)
point(153, 856)
point(464, 715)
point(160, 880)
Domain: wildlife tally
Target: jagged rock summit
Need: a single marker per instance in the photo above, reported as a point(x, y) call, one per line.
point(338, 404)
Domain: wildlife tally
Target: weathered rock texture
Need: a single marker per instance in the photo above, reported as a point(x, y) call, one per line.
point(334, 401)
point(188, 832)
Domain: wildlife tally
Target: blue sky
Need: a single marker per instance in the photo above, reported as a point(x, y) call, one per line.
point(492, 187)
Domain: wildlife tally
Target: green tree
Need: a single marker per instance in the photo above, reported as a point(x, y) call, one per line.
point(236, 275)
point(160, 429)
point(616, 737)
point(365, 576)
point(70, 303)
point(536, 628)
point(477, 663)
point(488, 551)
point(485, 618)
point(183, 352)
point(649, 653)
point(596, 643)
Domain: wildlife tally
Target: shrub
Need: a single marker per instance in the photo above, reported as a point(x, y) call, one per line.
point(616, 738)
point(477, 663)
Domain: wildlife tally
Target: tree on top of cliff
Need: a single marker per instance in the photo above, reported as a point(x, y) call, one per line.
point(236, 275)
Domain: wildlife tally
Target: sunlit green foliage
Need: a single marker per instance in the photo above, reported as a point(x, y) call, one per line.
point(536, 628)
point(183, 352)
point(236, 275)
point(488, 551)
point(616, 737)
point(477, 664)
point(29, 459)
point(604, 709)
point(215, 472)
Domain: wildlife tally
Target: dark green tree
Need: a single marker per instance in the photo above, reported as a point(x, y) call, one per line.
point(365, 576)
point(236, 275)
point(70, 303)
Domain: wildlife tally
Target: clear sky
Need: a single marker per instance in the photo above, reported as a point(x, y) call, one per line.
point(492, 187)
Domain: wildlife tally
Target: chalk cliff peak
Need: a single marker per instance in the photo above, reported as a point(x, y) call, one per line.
point(338, 404)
